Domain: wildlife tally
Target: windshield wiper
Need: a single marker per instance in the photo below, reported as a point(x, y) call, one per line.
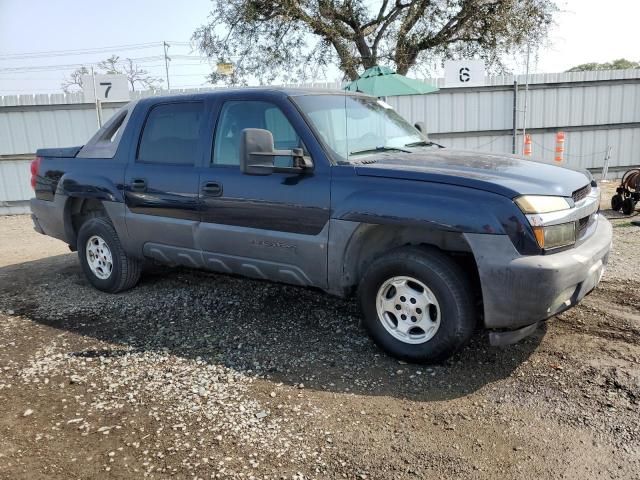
point(379, 149)
point(423, 143)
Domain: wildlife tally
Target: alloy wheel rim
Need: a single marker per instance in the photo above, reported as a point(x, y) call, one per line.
point(99, 257)
point(408, 310)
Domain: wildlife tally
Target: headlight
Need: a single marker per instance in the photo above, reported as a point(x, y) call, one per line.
point(556, 236)
point(541, 204)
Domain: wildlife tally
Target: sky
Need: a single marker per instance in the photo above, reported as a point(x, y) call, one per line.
point(43, 38)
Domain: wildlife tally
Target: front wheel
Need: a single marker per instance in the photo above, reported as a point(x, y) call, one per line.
point(104, 262)
point(417, 304)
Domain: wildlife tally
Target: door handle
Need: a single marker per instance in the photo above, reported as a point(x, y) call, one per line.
point(138, 184)
point(212, 189)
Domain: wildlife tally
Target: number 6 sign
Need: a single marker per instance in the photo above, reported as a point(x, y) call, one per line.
point(463, 73)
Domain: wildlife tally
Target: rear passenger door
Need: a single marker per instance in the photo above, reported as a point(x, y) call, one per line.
point(161, 181)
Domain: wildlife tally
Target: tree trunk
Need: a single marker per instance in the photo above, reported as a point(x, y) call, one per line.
point(368, 58)
point(347, 62)
point(405, 59)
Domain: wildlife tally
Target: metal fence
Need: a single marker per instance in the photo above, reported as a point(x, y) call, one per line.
point(596, 110)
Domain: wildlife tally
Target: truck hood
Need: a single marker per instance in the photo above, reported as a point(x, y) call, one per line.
point(507, 175)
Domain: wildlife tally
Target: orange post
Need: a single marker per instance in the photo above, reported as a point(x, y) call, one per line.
point(527, 145)
point(559, 147)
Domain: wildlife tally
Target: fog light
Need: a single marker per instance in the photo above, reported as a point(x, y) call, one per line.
point(555, 236)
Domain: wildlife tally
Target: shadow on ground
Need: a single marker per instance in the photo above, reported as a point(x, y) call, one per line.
point(283, 333)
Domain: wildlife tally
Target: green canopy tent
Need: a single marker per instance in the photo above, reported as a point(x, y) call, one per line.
point(384, 82)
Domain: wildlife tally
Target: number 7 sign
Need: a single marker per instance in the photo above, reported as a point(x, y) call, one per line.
point(108, 88)
point(106, 91)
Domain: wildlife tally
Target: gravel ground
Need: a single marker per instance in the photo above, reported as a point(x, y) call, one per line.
point(197, 375)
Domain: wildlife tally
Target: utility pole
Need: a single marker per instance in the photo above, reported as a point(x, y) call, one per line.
point(95, 96)
point(166, 62)
point(526, 96)
point(605, 166)
point(514, 140)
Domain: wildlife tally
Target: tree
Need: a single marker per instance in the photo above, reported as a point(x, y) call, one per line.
point(268, 39)
point(619, 64)
point(136, 75)
point(74, 80)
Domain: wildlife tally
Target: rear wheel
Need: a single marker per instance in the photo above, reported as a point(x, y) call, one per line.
point(103, 260)
point(417, 304)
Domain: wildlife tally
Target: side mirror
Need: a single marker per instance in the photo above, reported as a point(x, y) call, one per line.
point(256, 151)
point(257, 154)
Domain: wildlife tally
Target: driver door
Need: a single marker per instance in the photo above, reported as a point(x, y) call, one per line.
point(265, 226)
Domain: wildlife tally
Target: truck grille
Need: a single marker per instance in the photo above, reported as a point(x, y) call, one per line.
point(581, 226)
point(581, 193)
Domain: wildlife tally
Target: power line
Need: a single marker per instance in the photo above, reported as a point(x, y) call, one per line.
point(40, 79)
point(201, 57)
point(184, 60)
point(174, 42)
point(38, 68)
point(139, 60)
point(86, 51)
point(187, 74)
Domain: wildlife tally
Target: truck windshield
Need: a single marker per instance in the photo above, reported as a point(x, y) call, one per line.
point(354, 126)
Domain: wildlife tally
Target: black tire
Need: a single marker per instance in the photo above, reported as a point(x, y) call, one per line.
point(448, 283)
point(616, 202)
point(125, 271)
point(628, 206)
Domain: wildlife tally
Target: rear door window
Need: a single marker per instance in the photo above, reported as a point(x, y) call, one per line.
point(171, 134)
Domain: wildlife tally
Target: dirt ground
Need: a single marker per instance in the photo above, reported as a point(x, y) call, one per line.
point(197, 375)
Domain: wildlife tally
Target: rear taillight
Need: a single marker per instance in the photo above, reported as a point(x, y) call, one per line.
point(35, 169)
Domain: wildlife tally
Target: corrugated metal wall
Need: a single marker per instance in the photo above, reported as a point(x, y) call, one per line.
point(595, 109)
point(26, 126)
point(25, 129)
point(14, 180)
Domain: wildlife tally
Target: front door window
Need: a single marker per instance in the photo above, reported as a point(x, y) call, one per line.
point(238, 115)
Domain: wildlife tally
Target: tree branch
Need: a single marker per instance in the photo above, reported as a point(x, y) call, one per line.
point(269, 36)
point(393, 14)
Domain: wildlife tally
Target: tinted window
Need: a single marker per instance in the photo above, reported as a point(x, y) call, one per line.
point(238, 115)
point(171, 134)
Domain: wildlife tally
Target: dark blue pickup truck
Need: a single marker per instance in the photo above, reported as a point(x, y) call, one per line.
point(334, 191)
